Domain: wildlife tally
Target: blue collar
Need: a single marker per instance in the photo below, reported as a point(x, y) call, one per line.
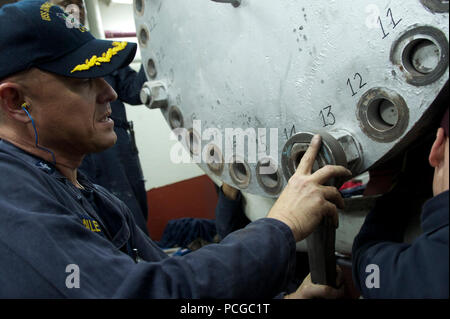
point(39, 163)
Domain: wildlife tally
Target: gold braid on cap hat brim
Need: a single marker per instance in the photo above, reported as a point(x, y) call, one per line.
point(105, 58)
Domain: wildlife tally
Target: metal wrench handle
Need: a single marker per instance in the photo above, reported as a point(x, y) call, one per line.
point(322, 261)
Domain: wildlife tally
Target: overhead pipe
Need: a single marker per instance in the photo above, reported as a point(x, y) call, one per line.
point(94, 18)
point(119, 34)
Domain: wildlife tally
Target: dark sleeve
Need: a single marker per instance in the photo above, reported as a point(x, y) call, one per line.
point(129, 84)
point(41, 238)
point(386, 222)
point(230, 215)
point(255, 262)
point(405, 270)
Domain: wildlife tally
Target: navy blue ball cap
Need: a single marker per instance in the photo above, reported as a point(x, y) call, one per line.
point(39, 34)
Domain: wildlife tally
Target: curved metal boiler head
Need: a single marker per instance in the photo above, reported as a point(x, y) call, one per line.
point(246, 81)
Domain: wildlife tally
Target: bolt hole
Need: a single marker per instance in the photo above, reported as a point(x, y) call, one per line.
point(175, 118)
point(268, 174)
point(151, 68)
point(194, 142)
point(382, 115)
point(297, 157)
point(143, 36)
point(270, 180)
point(139, 6)
point(240, 173)
point(421, 56)
point(214, 159)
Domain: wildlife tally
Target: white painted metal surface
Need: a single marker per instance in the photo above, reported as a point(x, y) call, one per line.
point(365, 72)
point(294, 66)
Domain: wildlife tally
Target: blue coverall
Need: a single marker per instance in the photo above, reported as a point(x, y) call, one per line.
point(386, 267)
point(47, 226)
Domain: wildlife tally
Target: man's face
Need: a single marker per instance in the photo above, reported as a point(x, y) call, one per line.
point(72, 115)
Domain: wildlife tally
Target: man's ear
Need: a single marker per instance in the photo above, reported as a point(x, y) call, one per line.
point(437, 152)
point(11, 100)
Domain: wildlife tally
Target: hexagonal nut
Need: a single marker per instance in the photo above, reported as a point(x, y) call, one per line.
point(154, 94)
point(145, 95)
point(352, 149)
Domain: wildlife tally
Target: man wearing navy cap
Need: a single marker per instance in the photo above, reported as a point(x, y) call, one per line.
point(62, 236)
point(384, 266)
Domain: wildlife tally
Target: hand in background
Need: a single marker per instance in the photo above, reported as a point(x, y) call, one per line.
point(308, 290)
point(229, 191)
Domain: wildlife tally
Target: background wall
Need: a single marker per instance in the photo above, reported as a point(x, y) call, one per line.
point(152, 131)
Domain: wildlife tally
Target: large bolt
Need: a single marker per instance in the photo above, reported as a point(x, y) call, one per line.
point(331, 153)
point(338, 148)
point(146, 95)
point(352, 149)
point(154, 94)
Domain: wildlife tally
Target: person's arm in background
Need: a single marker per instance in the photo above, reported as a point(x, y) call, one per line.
point(405, 270)
point(385, 267)
point(229, 212)
point(129, 84)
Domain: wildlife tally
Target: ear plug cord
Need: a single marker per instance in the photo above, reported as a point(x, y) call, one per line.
point(25, 107)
